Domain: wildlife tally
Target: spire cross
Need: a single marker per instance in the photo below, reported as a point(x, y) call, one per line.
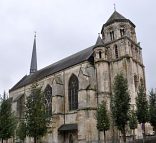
point(114, 7)
point(35, 34)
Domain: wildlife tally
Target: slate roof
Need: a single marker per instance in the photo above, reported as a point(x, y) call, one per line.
point(84, 55)
point(99, 42)
point(117, 17)
point(68, 127)
point(33, 66)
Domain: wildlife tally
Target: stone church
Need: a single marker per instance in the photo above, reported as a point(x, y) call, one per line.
point(75, 85)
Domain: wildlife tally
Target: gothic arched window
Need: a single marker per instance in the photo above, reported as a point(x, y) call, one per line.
point(73, 92)
point(100, 54)
point(116, 51)
point(136, 82)
point(112, 35)
point(141, 82)
point(48, 100)
point(122, 32)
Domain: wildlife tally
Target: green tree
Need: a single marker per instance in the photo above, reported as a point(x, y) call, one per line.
point(133, 122)
point(103, 123)
point(142, 108)
point(120, 103)
point(152, 109)
point(36, 119)
point(7, 119)
point(21, 130)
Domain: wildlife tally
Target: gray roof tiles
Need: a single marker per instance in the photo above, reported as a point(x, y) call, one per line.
point(99, 42)
point(68, 127)
point(84, 55)
point(33, 66)
point(117, 17)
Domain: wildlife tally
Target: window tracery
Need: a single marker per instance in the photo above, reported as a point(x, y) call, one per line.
point(73, 92)
point(48, 100)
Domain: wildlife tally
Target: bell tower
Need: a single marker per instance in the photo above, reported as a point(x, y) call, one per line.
point(121, 53)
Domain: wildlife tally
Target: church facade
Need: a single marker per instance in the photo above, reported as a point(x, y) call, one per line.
point(76, 85)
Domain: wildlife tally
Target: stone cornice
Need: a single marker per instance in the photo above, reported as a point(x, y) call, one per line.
point(124, 37)
point(119, 59)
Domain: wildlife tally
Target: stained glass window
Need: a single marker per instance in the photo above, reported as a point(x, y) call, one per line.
point(48, 100)
point(73, 92)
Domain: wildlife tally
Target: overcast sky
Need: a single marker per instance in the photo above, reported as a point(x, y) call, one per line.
point(65, 27)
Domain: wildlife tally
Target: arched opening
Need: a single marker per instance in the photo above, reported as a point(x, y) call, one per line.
point(122, 32)
point(136, 82)
point(112, 35)
point(116, 52)
point(141, 82)
point(100, 54)
point(73, 92)
point(48, 100)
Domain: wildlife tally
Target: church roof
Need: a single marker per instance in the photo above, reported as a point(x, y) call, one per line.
point(84, 55)
point(99, 42)
point(117, 17)
point(68, 127)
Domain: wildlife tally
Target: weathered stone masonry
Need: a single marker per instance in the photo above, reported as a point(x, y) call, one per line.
point(91, 74)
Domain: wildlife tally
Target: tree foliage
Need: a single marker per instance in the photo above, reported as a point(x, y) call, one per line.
point(120, 103)
point(152, 109)
point(103, 123)
point(132, 120)
point(142, 105)
point(21, 130)
point(102, 118)
point(142, 108)
point(36, 119)
point(7, 119)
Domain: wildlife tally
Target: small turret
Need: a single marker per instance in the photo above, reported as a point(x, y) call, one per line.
point(99, 50)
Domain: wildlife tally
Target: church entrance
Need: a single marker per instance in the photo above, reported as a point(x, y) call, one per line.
point(71, 138)
point(68, 133)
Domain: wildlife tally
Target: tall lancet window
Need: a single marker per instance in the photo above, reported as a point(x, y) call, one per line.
point(136, 82)
point(73, 92)
point(116, 51)
point(48, 100)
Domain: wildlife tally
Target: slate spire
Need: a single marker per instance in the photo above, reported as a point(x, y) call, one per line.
point(33, 66)
point(117, 17)
point(99, 41)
